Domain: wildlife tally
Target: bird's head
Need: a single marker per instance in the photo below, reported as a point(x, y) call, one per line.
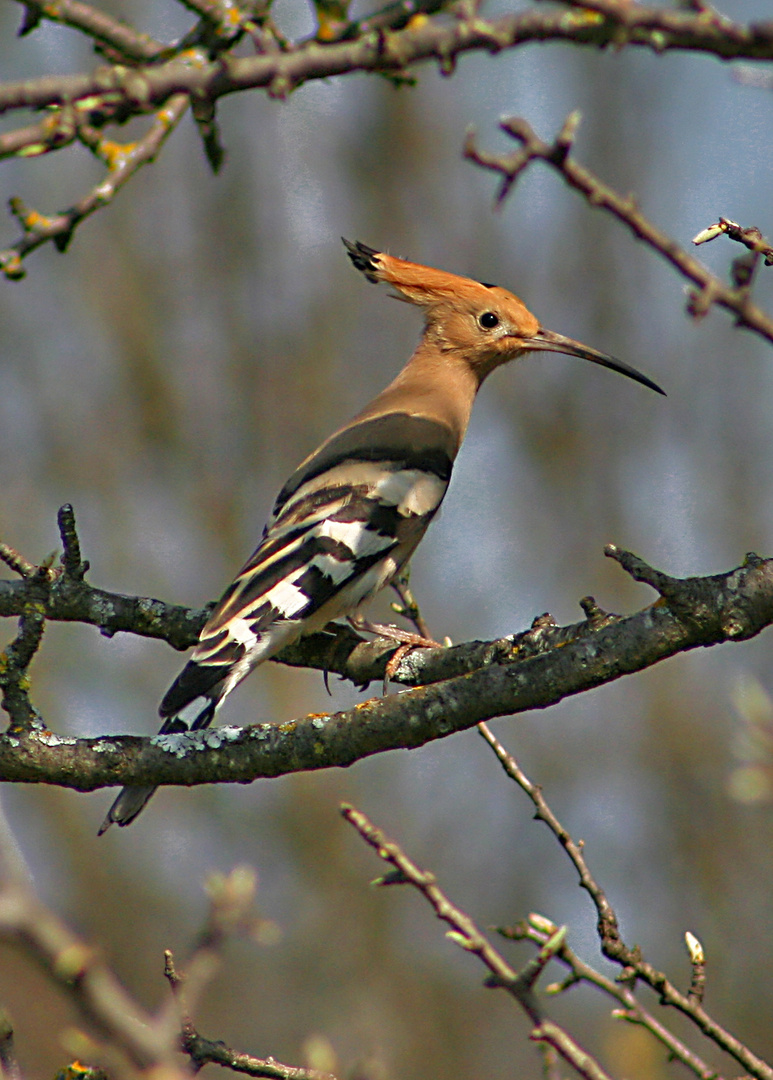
point(484, 324)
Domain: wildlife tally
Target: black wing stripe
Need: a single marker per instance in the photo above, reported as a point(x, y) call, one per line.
point(192, 682)
point(254, 583)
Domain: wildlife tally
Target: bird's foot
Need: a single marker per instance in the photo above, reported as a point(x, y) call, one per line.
point(407, 639)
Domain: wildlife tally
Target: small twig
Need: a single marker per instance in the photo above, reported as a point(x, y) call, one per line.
point(231, 907)
point(226, 17)
point(710, 290)
point(686, 598)
point(102, 28)
point(214, 1052)
point(122, 161)
point(16, 562)
point(79, 971)
point(466, 934)
point(538, 929)
point(463, 930)
point(408, 606)
point(607, 920)
point(72, 562)
point(640, 570)
point(17, 656)
point(633, 964)
point(751, 237)
point(231, 900)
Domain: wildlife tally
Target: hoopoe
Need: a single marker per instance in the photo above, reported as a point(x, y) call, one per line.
point(350, 516)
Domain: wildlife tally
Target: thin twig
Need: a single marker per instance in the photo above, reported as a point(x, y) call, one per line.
point(73, 564)
point(94, 23)
point(17, 656)
point(608, 926)
point(231, 911)
point(16, 562)
point(751, 237)
point(710, 289)
point(613, 947)
point(408, 606)
point(123, 161)
point(465, 933)
point(80, 973)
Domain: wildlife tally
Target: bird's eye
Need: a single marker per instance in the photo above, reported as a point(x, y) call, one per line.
point(488, 320)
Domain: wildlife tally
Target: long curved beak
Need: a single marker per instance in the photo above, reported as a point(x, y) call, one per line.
point(548, 341)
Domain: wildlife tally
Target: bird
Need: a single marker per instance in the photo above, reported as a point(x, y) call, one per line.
point(351, 515)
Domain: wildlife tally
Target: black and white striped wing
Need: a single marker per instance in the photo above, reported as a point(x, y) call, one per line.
point(342, 527)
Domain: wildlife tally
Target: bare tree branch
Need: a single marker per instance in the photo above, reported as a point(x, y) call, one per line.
point(102, 28)
point(131, 1041)
point(711, 290)
point(79, 971)
point(613, 947)
point(539, 929)
point(466, 934)
point(231, 912)
point(655, 28)
point(530, 671)
point(122, 161)
point(148, 76)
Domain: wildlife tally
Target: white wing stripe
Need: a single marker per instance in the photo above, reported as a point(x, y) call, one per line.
point(410, 490)
point(286, 597)
point(356, 536)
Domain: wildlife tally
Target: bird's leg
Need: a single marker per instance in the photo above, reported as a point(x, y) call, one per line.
point(408, 606)
point(393, 633)
point(407, 639)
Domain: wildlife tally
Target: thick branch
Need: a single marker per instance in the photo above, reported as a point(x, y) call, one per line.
point(652, 27)
point(201, 68)
point(692, 613)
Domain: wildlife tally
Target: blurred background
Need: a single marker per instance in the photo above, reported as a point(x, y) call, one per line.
point(199, 338)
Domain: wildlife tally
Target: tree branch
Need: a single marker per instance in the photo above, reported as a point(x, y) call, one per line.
point(631, 959)
point(655, 28)
point(102, 28)
point(123, 160)
point(466, 934)
point(531, 671)
point(711, 290)
point(79, 971)
point(149, 76)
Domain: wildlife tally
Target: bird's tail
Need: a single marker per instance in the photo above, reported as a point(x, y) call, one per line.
point(130, 801)
point(197, 714)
